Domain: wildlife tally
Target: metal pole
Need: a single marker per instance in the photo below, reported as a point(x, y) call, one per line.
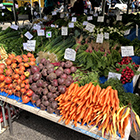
point(103, 7)
point(40, 8)
point(14, 12)
point(128, 6)
point(31, 9)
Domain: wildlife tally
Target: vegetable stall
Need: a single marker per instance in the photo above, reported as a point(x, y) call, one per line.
point(75, 71)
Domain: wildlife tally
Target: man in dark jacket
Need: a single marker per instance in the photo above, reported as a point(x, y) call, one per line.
point(78, 7)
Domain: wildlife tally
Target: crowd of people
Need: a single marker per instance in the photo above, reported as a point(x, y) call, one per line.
point(135, 5)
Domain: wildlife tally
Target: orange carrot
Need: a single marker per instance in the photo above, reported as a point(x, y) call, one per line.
point(96, 92)
point(83, 89)
point(106, 90)
point(71, 87)
point(90, 92)
point(111, 97)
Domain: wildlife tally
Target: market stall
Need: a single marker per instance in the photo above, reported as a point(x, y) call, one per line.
point(77, 71)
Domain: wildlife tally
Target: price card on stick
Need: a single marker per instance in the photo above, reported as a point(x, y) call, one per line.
point(137, 27)
point(90, 27)
point(31, 45)
point(99, 38)
point(70, 54)
point(119, 18)
point(114, 75)
point(40, 32)
point(71, 25)
point(106, 35)
point(48, 34)
point(28, 35)
point(64, 31)
point(13, 26)
point(74, 19)
point(2, 14)
point(90, 18)
point(127, 51)
point(127, 32)
point(100, 19)
point(85, 23)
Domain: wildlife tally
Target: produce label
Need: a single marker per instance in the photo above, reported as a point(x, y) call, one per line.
point(99, 38)
point(90, 27)
point(106, 35)
point(85, 11)
point(127, 32)
point(54, 13)
point(48, 34)
point(28, 35)
point(31, 45)
point(24, 46)
point(64, 31)
point(100, 19)
point(2, 14)
point(13, 26)
point(137, 30)
point(70, 54)
point(85, 23)
point(62, 15)
point(127, 51)
point(119, 18)
point(90, 18)
point(74, 19)
point(71, 25)
point(91, 12)
point(114, 75)
point(40, 32)
point(36, 27)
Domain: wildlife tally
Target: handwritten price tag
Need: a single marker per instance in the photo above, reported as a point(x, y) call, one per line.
point(41, 32)
point(70, 54)
point(28, 35)
point(36, 27)
point(90, 18)
point(85, 23)
point(71, 25)
point(99, 38)
point(106, 35)
point(31, 45)
point(24, 46)
point(114, 75)
point(48, 34)
point(100, 19)
point(64, 31)
point(74, 19)
point(90, 27)
point(127, 51)
point(119, 18)
point(95, 15)
point(13, 26)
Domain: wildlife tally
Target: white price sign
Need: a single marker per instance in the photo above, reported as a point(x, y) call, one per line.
point(90, 18)
point(31, 45)
point(70, 54)
point(74, 19)
point(106, 35)
point(40, 32)
point(100, 19)
point(62, 15)
point(13, 26)
point(99, 38)
point(2, 14)
point(54, 13)
point(48, 34)
point(36, 27)
point(24, 46)
point(119, 18)
point(28, 35)
point(85, 11)
point(90, 27)
point(85, 23)
point(64, 31)
point(71, 25)
point(114, 75)
point(127, 32)
point(137, 27)
point(127, 51)
point(95, 15)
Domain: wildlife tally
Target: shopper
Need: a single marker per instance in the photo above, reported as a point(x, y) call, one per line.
point(96, 6)
point(36, 9)
point(78, 7)
point(136, 5)
point(107, 6)
point(89, 6)
point(133, 5)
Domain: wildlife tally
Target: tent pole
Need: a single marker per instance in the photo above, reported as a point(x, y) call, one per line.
point(14, 12)
point(40, 8)
point(128, 6)
point(103, 7)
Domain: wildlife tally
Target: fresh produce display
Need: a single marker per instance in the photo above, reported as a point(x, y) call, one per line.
point(14, 76)
point(3, 55)
point(48, 82)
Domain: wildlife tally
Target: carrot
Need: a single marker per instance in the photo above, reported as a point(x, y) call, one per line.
point(85, 89)
point(96, 92)
point(111, 97)
point(116, 94)
point(75, 89)
point(106, 97)
point(90, 92)
point(88, 103)
point(80, 116)
point(74, 109)
point(125, 123)
point(106, 90)
point(102, 91)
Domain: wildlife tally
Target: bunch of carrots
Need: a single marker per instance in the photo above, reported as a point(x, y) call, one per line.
point(92, 105)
